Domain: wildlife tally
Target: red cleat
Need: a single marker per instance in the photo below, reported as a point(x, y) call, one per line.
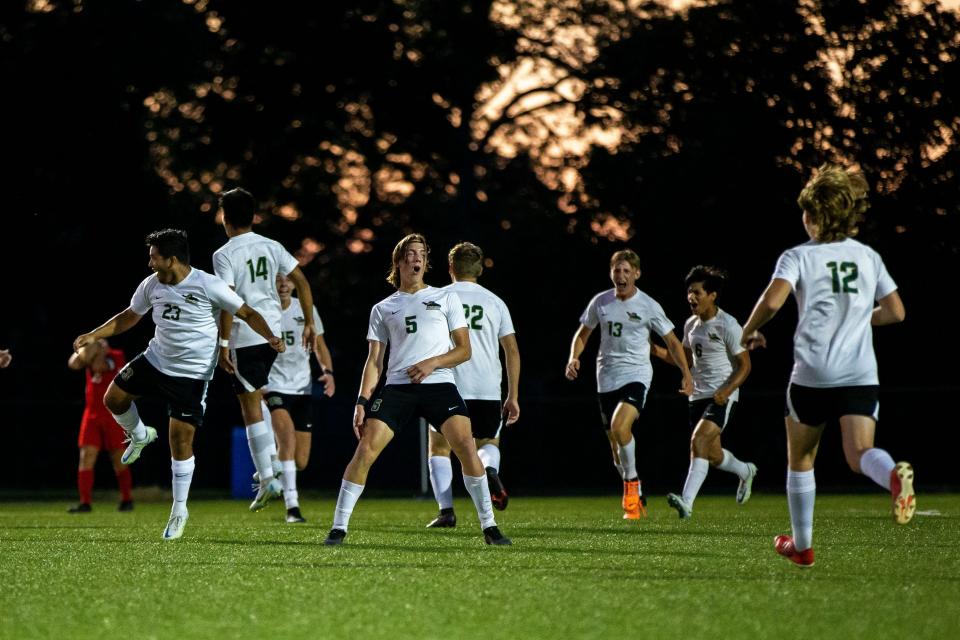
point(901, 490)
point(785, 547)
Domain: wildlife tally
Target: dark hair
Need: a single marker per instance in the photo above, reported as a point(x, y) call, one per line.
point(712, 278)
point(171, 243)
point(238, 208)
point(466, 259)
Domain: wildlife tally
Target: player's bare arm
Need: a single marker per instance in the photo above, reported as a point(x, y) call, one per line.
point(576, 348)
point(116, 325)
point(773, 297)
point(675, 347)
point(368, 383)
point(741, 369)
point(511, 352)
point(226, 327)
point(322, 353)
point(249, 315)
point(83, 358)
point(459, 354)
point(889, 310)
point(305, 296)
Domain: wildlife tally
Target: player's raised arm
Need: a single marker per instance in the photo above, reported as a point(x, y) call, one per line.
point(116, 325)
point(577, 346)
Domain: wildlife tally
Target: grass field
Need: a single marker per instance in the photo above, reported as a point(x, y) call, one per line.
point(575, 571)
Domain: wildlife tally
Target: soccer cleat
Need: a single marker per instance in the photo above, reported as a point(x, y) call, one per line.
point(785, 547)
point(267, 492)
point(901, 490)
point(492, 535)
point(335, 537)
point(132, 452)
point(175, 525)
point(277, 467)
point(83, 507)
point(446, 519)
point(634, 504)
point(746, 486)
point(684, 510)
point(125, 505)
point(498, 495)
point(294, 516)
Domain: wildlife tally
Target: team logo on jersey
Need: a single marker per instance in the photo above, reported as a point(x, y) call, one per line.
point(714, 337)
point(633, 316)
point(298, 319)
point(432, 306)
point(192, 299)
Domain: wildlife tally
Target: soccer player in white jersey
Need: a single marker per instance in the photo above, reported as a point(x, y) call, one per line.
point(843, 290)
point(418, 322)
point(626, 316)
point(288, 395)
point(249, 263)
point(180, 359)
point(478, 380)
point(720, 365)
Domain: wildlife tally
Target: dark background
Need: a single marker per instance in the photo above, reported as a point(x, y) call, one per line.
point(123, 117)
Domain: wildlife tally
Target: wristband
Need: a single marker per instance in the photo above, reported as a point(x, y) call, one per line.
point(224, 343)
point(362, 402)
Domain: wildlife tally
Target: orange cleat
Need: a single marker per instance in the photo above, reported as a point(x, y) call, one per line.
point(634, 505)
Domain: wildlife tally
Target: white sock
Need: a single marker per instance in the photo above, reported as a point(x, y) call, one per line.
point(877, 464)
point(259, 439)
point(290, 496)
point(480, 492)
point(628, 459)
point(441, 478)
point(730, 464)
point(620, 470)
point(490, 456)
point(696, 474)
point(130, 422)
point(801, 495)
point(182, 476)
point(346, 501)
point(268, 420)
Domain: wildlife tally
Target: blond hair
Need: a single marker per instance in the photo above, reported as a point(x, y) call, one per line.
point(835, 200)
point(625, 255)
point(398, 253)
point(466, 260)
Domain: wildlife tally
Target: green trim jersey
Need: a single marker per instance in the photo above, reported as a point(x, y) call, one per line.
point(625, 325)
point(836, 285)
point(715, 345)
point(417, 326)
point(290, 373)
point(250, 263)
point(184, 344)
point(489, 320)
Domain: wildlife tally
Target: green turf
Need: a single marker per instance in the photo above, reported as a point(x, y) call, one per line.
point(576, 570)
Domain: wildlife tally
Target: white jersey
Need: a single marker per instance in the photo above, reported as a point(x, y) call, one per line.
point(291, 370)
point(836, 285)
point(489, 320)
point(715, 345)
point(625, 325)
point(250, 263)
point(184, 344)
point(417, 326)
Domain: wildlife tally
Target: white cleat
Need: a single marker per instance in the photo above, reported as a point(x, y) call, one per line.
point(746, 486)
point(684, 510)
point(269, 491)
point(175, 525)
point(277, 471)
point(133, 449)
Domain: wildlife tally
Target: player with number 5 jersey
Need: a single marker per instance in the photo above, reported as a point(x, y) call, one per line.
point(843, 290)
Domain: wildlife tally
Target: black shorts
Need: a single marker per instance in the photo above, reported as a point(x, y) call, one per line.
point(397, 404)
point(252, 366)
point(707, 409)
point(185, 397)
point(632, 393)
point(486, 418)
point(816, 405)
point(298, 406)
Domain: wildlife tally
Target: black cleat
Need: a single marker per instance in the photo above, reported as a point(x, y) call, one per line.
point(446, 519)
point(125, 505)
point(335, 537)
point(498, 495)
point(492, 535)
point(294, 516)
point(83, 507)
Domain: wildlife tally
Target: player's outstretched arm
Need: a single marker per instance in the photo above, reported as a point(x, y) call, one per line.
point(114, 326)
point(889, 310)
point(305, 296)
point(511, 353)
point(767, 306)
point(576, 348)
point(249, 315)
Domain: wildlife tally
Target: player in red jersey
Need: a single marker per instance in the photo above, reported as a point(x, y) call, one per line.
point(98, 429)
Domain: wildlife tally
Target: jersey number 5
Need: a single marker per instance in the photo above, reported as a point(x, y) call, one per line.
point(411, 322)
